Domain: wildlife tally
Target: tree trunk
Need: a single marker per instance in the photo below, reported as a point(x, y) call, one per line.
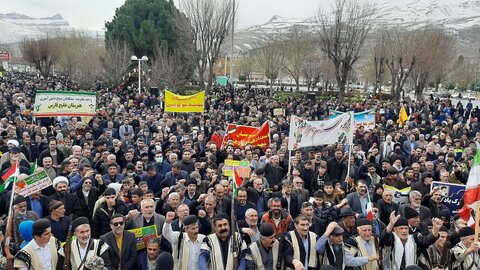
point(210, 78)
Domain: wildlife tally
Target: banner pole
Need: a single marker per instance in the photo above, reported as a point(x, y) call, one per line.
point(477, 219)
point(289, 162)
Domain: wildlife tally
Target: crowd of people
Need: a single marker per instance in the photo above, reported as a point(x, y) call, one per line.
point(133, 166)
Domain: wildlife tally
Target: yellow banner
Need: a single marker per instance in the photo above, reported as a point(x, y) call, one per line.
point(177, 103)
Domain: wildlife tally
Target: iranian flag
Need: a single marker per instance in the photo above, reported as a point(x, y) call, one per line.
point(472, 190)
point(369, 210)
point(237, 182)
point(9, 176)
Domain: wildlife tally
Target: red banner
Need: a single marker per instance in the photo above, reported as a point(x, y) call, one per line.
point(241, 136)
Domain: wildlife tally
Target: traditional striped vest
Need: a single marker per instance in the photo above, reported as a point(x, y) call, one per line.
point(312, 253)
point(181, 262)
point(216, 260)
point(28, 257)
point(257, 256)
point(361, 251)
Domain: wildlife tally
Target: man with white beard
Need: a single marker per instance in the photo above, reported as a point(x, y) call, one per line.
point(84, 247)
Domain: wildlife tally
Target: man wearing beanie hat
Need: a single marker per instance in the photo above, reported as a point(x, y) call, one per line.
point(216, 252)
point(401, 248)
point(85, 247)
point(58, 221)
point(331, 248)
point(70, 201)
point(43, 252)
point(361, 250)
point(466, 255)
point(414, 224)
point(264, 253)
point(184, 244)
point(432, 256)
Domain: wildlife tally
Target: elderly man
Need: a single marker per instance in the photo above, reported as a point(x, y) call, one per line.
point(403, 248)
point(122, 244)
point(361, 250)
point(71, 201)
point(249, 226)
point(415, 200)
point(316, 224)
point(85, 247)
point(264, 252)
point(257, 195)
point(172, 204)
point(186, 245)
point(434, 202)
point(331, 248)
point(466, 255)
point(386, 206)
point(216, 251)
point(148, 217)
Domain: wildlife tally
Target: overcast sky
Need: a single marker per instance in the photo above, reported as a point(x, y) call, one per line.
point(91, 14)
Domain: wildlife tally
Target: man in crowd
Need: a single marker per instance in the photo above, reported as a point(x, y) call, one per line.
point(122, 244)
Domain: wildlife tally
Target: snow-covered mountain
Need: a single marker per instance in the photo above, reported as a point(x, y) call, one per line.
point(15, 27)
point(461, 17)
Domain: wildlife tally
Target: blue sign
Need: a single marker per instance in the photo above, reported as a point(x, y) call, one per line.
point(365, 118)
point(452, 195)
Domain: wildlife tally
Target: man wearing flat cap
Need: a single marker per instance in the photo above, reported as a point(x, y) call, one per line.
point(331, 248)
point(263, 254)
point(402, 249)
point(43, 252)
point(361, 250)
point(85, 247)
point(20, 214)
point(186, 245)
point(466, 255)
point(71, 201)
point(347, 222)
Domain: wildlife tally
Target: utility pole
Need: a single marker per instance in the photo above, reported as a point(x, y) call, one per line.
point(233, 38)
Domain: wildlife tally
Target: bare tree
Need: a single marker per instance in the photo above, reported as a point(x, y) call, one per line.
point(401, 56)
point(245, 66)
point(168, 70)
point(41, 53)
point(270, 57)
point(79, 58)
point(342, 35)
point(115, 62)
point(431, 58)
point(379, 53)
point(211, 23)
point(298, 49)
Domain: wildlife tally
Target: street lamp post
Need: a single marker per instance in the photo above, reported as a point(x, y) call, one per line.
point(144, 58)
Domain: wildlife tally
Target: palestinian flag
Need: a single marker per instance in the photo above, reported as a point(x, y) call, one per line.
point(237, 182)
point(9, 176)
point(472, 189)
point(34, 167)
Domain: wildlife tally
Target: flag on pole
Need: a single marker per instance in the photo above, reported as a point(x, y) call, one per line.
point(34, 167)
point(9, 176)
point(472, 188)
point(237, 182)
point(369, 210)
point(402, 117)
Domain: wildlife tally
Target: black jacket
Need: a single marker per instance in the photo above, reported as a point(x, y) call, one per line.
point(294, 209)
point(88, 204)
point(101, 218)
point(71, 202)
point(128, 252)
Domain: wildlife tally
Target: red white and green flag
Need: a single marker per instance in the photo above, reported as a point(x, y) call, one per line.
point(237, 182)
point(369, 210)
point(9, 176)
point(472, 190)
